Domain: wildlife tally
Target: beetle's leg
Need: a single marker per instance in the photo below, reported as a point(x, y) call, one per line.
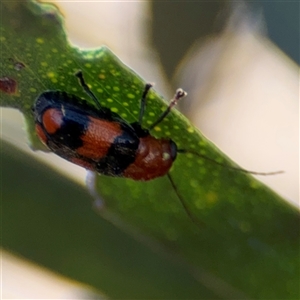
point(200, 224)
point(85, 87)
point(148, 86)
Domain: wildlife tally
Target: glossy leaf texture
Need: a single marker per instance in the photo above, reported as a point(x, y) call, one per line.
point(248, 241)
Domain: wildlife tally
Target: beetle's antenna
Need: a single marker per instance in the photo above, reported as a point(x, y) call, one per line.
point(180, 93)
point(148, 86)
point(195, 220)
point(85, 87)
point(226, 166)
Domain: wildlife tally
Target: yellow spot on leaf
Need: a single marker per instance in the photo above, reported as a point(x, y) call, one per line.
point(40, 41)
point(51, 74)
point(130, 96)
point(190, 129)
point(211, 197)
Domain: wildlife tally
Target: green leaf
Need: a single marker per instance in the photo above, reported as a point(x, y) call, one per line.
point(250, 238)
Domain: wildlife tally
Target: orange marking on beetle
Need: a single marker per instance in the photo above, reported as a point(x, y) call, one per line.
point(52, 120)
point(97, 142)
point(41, 134)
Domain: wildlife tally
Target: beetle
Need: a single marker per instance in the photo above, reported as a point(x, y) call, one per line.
point(100, 140)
